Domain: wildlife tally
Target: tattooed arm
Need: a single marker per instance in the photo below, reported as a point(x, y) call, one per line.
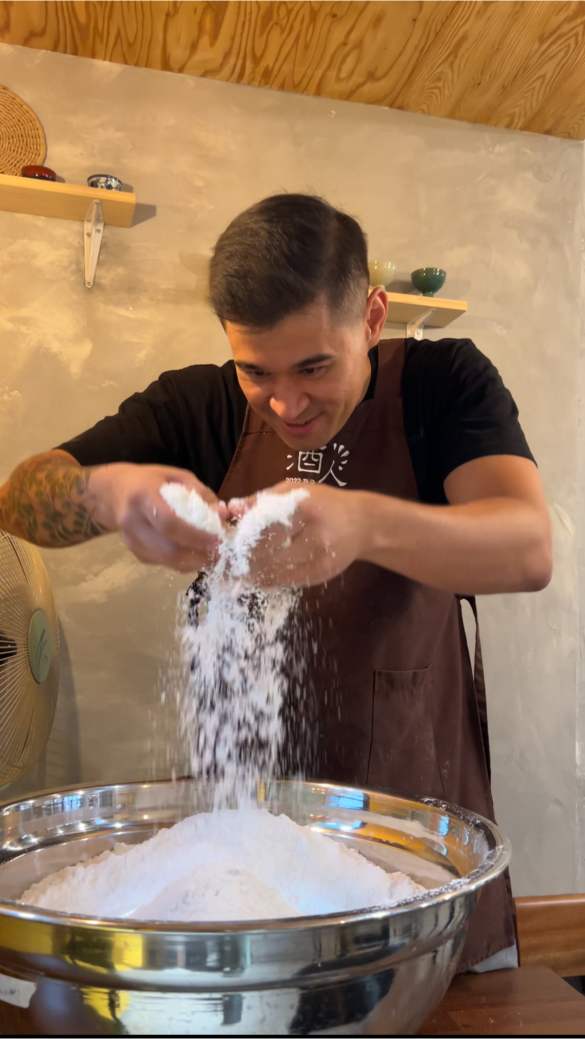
point(46, 501)
point(53, 501)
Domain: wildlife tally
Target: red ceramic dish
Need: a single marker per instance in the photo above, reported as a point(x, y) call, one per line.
point(38, 172)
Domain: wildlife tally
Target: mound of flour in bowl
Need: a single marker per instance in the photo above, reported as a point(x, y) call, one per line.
point(241, 864)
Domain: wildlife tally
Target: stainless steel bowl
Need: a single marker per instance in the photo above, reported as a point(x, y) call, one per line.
point(372, 972)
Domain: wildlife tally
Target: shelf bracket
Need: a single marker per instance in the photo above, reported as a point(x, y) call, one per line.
point(93, 229)
point(414, 328)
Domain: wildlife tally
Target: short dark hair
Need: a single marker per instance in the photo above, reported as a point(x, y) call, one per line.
point(282, 254)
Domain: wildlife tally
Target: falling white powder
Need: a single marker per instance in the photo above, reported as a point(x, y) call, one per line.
point(233, 640)
point(226, 865)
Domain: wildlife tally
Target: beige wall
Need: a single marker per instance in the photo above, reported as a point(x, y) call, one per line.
point(500, 210)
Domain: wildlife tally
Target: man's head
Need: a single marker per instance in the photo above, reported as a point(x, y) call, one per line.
point(289, 282)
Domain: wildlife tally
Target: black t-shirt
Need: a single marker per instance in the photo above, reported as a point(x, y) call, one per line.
point(456, 408)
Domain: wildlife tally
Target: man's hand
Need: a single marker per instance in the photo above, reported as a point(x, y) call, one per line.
point(325, 536)
point(53, 501)
point(492, 537)
point(127, 498)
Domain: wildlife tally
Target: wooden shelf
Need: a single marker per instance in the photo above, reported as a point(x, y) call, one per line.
point(64, 201)
point(407, 309)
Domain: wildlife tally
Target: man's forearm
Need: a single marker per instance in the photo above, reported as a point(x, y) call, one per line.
point(480, 547)
point(46, 501)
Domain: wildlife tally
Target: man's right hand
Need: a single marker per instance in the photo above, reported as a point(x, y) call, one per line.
point(53, 502)
point(126, 498)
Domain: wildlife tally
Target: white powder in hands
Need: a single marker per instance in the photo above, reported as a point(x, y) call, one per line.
point(191, 507)
point(237, 541)
point(269, 509)
point(227, 865)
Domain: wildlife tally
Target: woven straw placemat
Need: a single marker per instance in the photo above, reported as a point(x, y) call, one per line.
point(22, 139)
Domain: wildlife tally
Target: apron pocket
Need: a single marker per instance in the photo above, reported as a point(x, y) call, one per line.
point(403, 755)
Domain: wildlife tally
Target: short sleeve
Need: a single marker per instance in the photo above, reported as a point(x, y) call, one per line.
point(142, 430)
point(190, 418)
point(457, 408)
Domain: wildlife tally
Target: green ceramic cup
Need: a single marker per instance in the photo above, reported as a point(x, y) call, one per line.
point(428, 280)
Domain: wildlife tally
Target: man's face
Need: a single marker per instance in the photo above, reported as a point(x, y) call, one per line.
point(307, 374)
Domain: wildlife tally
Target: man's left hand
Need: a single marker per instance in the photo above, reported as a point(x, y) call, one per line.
point(326, 535)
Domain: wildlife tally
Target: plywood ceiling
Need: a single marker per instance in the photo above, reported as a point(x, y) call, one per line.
point(513, 64)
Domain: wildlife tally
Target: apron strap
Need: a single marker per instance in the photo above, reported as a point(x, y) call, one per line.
point(479, 683)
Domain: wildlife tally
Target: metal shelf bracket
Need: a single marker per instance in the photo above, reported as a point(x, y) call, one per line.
point(415, 328)
point(93, 230)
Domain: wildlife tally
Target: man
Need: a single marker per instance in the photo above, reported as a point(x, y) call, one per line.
point(421, 489)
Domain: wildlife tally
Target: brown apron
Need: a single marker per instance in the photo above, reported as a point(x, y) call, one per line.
point(394, 704)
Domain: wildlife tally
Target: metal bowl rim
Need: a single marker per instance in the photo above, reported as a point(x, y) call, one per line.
point(498, 859)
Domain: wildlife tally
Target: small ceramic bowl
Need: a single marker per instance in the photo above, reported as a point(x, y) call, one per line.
point(428, 280)
point(381, 272)
point(38, 173)
point(105, 180)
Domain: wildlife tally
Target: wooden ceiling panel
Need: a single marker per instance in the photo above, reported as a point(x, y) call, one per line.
point(505, 63)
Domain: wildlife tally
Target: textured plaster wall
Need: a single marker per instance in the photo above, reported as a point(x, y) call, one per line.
point(500, 210)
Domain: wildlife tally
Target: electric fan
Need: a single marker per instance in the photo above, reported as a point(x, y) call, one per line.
point(29, 657)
